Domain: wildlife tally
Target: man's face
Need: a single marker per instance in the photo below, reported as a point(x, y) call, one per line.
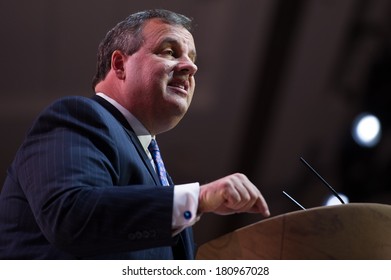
point(160, 76)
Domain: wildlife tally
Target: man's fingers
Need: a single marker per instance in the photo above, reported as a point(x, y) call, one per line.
point(251, 199)
point(232, 194)
point(260, 206)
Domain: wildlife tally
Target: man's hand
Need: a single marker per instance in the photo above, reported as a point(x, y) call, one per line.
point(232, 194)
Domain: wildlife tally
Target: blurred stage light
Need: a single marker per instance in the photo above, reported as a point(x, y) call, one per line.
point(333, 200)
point(366, 130)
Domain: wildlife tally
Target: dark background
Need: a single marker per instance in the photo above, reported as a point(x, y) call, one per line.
point(277, 80)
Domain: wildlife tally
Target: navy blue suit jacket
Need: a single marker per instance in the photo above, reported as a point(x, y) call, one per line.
point(82, 187)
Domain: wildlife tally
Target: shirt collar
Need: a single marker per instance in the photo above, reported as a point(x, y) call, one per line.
point(142, 133)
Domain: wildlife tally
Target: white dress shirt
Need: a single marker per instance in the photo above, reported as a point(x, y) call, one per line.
point(185, 206)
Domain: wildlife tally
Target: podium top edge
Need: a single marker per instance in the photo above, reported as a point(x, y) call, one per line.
point(326, 209)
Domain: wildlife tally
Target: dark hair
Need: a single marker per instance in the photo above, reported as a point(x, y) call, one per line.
point(126, 36)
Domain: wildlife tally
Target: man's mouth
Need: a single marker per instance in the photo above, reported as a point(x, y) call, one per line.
point(179, 85)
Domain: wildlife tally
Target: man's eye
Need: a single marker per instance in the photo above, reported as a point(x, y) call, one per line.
point(169, 52)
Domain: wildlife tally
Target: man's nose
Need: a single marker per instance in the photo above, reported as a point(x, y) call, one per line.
point(187, 66)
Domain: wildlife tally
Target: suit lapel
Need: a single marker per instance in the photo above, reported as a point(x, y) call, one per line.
point(128, 129)
point(185, 246)
point(143, 155)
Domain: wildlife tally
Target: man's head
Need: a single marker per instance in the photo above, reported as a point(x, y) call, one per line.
point(126, 36)
point(147, 64)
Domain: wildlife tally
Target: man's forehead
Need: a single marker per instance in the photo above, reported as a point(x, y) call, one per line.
point(158, 30)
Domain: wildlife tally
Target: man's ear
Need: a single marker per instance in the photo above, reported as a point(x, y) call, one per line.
point(118, 64)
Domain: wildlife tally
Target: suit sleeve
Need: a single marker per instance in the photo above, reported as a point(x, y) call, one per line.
point(70, 170)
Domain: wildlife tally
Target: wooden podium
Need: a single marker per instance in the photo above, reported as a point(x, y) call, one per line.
point(345, 232)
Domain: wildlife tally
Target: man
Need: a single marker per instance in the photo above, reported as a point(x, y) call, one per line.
point(85, 185)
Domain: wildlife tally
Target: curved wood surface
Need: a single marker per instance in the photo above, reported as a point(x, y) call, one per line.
point(349, 231)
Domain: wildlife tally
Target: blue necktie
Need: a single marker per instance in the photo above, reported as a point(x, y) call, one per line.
point(157, 159)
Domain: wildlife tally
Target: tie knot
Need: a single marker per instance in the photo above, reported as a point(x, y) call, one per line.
point(157, 159)
point(153, 147)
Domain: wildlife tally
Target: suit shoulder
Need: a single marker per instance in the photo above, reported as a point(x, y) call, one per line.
point(72, 112)
point(73, 102)
point(79, 107)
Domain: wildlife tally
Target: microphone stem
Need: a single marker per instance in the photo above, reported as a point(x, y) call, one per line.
point(323, 180)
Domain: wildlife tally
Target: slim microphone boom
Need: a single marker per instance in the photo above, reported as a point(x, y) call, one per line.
point(320, 177)
point(291, 198)
point(323, 180)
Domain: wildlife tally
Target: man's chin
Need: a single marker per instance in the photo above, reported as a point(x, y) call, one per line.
point(178, 104)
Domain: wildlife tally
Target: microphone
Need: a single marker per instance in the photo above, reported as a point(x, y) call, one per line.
point(291, 198)
point(323, 180)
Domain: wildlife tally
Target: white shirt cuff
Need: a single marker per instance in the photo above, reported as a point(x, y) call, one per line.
point(184, 213)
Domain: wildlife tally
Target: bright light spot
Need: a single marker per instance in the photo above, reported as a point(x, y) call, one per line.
point(333, 200)
point(366, 130)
